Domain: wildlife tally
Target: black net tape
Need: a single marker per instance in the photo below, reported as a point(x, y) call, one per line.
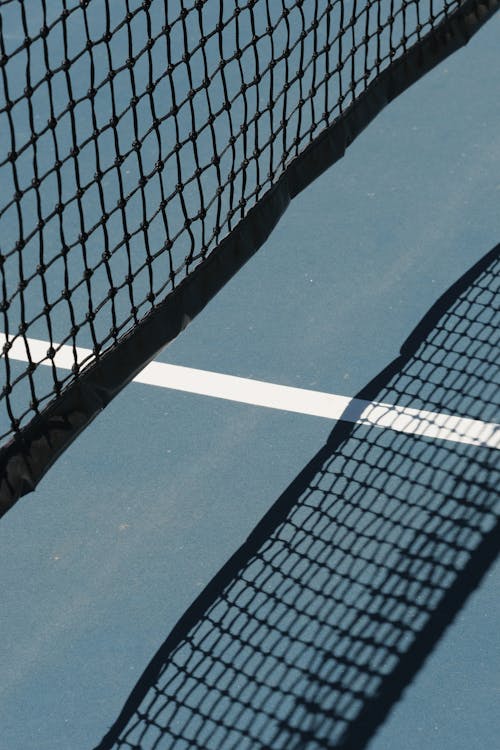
point(308, 635)
point(147, 149)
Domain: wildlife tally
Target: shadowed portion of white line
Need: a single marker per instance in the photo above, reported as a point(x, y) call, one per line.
point(273, 396)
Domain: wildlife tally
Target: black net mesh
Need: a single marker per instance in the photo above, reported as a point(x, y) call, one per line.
point(146, 144)
point(310, 633)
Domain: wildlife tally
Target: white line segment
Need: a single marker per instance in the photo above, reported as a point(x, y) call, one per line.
point(273, 396)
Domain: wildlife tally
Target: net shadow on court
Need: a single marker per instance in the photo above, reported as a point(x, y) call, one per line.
point(309, 634)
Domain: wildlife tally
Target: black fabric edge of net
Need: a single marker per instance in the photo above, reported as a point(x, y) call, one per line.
point(27, 457)
point(375, 712)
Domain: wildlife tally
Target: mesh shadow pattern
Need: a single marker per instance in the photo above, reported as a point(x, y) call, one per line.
point(309, 634)
point(147, 149)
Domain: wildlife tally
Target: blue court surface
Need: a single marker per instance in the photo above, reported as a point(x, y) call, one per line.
point(301, 524)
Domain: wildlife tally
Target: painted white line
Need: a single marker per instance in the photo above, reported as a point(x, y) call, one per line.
point(270, 395)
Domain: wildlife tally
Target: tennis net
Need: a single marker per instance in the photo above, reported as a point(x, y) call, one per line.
point(147, 149)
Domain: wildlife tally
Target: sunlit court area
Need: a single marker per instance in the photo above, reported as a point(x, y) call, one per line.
point(249, 384)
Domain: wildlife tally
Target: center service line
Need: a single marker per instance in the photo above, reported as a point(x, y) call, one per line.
point(286, 398)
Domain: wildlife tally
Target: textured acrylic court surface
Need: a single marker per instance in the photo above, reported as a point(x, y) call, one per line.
point(99, 564)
